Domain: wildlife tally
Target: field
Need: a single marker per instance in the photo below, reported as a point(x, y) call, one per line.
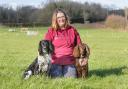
point(108, 63)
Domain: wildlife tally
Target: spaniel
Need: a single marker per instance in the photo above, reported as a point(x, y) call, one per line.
point(41, 64)
point(81, 53)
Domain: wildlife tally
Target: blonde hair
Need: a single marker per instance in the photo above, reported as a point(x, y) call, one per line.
point(54, 19)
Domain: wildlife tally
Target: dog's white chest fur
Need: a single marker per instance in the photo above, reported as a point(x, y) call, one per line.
point(43, 62)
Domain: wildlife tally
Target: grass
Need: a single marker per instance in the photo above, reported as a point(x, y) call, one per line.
point(108, 64)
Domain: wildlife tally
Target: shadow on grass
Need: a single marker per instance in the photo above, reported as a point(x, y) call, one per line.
point(107, 72)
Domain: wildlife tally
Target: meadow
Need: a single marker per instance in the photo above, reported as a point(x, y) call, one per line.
point(108, 63)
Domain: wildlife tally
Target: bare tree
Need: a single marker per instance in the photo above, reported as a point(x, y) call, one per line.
point(126, 15)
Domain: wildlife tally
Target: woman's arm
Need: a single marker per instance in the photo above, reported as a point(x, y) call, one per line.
point(77, 38)
point(48, 35)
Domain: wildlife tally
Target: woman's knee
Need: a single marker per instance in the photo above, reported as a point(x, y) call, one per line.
point(70, 71)
point(55, 71)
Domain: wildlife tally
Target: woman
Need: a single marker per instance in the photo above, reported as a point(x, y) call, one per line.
point(64, 37)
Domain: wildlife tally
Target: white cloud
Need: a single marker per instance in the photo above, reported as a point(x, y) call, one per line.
point(15, 3)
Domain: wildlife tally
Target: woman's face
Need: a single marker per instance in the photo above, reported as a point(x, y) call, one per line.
point(61, 20)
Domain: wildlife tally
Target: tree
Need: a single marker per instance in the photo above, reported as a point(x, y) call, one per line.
point(94, 12)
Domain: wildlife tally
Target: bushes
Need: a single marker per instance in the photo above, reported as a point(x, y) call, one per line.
point(115, 22)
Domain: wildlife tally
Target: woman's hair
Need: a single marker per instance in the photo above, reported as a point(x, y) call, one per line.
point(55, 26)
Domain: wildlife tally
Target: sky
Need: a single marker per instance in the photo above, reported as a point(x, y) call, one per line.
point(37, 3)
point(109, 3)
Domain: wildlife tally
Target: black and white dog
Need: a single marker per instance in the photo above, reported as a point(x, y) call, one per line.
point(42, 62)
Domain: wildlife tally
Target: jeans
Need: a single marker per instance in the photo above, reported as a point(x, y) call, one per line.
point(63, 71)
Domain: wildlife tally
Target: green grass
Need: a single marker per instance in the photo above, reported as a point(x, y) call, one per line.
point(108, 64)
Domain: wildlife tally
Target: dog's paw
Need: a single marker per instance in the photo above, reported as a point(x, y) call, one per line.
point(27, 75)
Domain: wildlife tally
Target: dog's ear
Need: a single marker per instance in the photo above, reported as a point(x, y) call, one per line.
point(39, 48)
point(76, 51)
point(51, 47)
point(86, 50)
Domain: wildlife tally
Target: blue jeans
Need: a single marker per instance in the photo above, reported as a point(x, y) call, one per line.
point(63, 71)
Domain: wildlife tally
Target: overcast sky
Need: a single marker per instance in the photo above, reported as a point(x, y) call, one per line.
point(107, 3)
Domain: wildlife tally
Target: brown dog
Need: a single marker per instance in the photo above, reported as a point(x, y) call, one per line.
point(81, 53)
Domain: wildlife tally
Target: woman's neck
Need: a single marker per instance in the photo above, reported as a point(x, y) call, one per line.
point(62, 28)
